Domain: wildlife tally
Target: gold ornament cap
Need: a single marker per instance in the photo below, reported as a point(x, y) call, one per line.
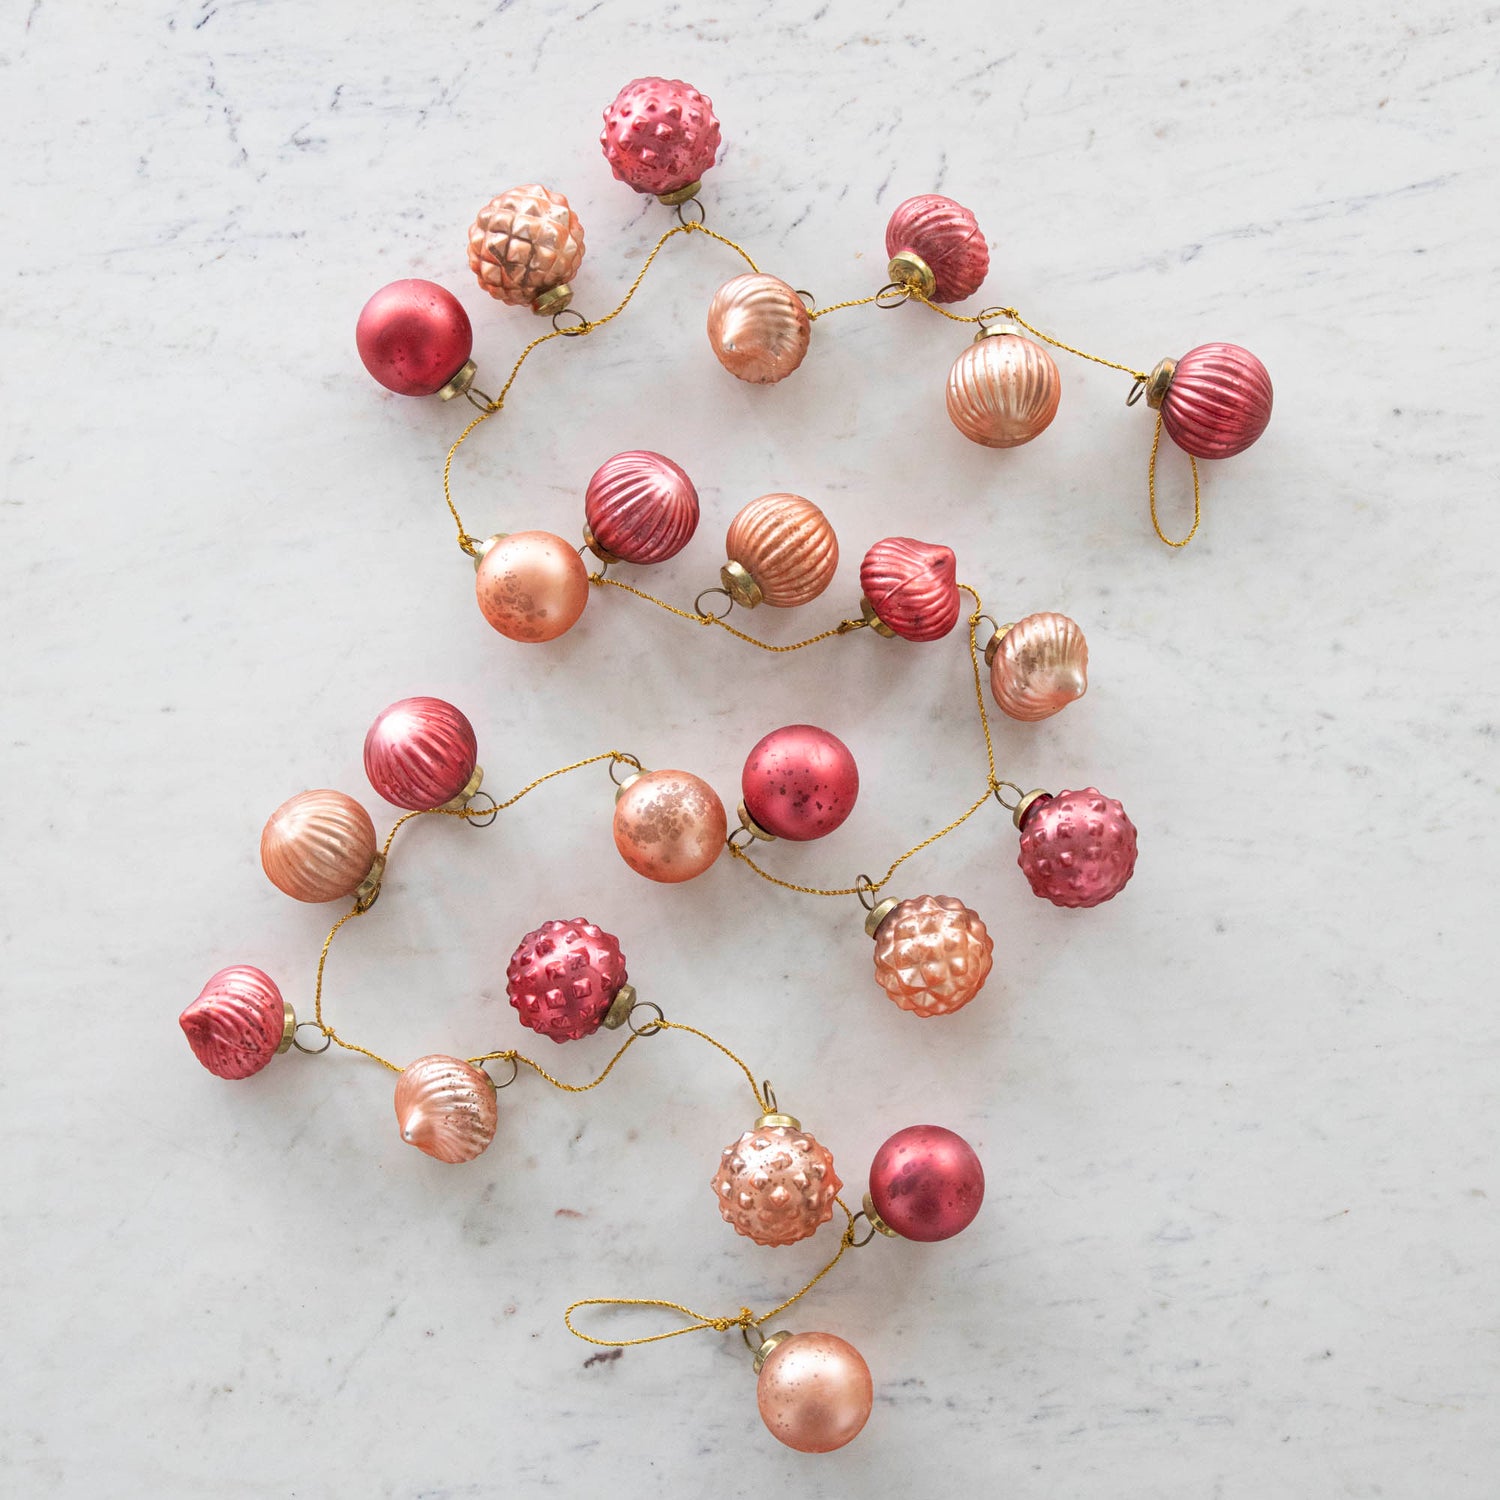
point(873, 620)
point(288, 1027)
point(553, 300)
point(769, 1343)
point(739, 585)
point(1024, 806)
point(876, 1222)
point(460, 382)
point(1160, 383)
point(368, 891)
point(619, 1008)
point(992, 646)
point(680, 195)
point(753, 828)
point(878, 913)
point(907, 268)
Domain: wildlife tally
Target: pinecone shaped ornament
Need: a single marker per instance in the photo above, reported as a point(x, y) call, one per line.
point(932, 954)
point(776, 1184)
point(525, 246)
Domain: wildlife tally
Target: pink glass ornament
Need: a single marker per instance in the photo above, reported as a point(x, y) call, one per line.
point(912, 587)
point(531, 586)
point(318, 846)
point(669, 825)
point(782, 552)
point(945, 237)
point(932, 955)
point(563, 978)
point(420, 753)
point(446, 1108)
point(1039, 666)
point(1077, 848)
point(1218, 401)
point(758, 327)
point(800, 782)
point(660, 135)
point(640, 507)
point(238, 1023)
point(776, 1184)
point(926, 1183)
point(1003, 390)
point(525, 245)
point(414, 337)
point(814, 1392)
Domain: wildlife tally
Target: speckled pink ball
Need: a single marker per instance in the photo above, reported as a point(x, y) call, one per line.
point(800, 782)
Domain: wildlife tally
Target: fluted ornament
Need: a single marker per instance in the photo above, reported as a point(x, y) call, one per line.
point(238, 1023)
point(782, 552)
point(446, 1108)
point(758, 327)
point(1077, 848)
point(776, 1184)
point(944, 238)
point(912, 587)
point(1217, 400)
point(318, 846)
point(1038, 666)
point(1003, 390)
point(660, 136)
point(525, 246)
point(421, 753)
point(640, 508)
point(932, 955)
point(669, 825)
point(563, 977)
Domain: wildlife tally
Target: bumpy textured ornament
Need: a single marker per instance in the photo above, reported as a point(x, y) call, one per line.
point(814, 1392)
point(525, 246)
point(1217, 400)
point(934, 234)
point(421, 753)
point(912, 587)
point(1003, 390)
point(932, 954)
point(318, 846)
point(782, 551)
point(800, 782)
point(415, 339)
point(776, 1184)
point(238, 1023)
point(1038, 666)
point(660, 136)
point(1077, 848)
point(669, 825)
point(446, 1108)
point(926, 1183)
point(531, 586)
point(640, 508)
point(758, 327)
point(564, 977)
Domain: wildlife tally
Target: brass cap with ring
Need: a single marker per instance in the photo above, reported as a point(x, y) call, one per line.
point(1024, 806)
point(873, 620)
point(619, 1008)
point(1160, 382)
point(288, 1027)
point(628, 782)
point(739, 585)
point(769, 1343)
point(992, 646)
point(368, 890)
point(876, 1222)
point(553, 300)
point(592, 543)
point(774, 1119)
point(462, 379)
point(753, 828)
point(485, 546)
point(907, 268)
point(471, 786)
point(680, 195)
point(878, 913)
point(997, 330)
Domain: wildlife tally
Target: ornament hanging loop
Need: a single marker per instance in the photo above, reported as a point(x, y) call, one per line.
point(480, 815)
point(704, 614)
point(866, 890)
point(690, 221)
point(618, 759)
point(571, 330)
point(648, 1028)
point(892, 294)
point(853, 1238)
point(515, 1070)
point(303, 1047)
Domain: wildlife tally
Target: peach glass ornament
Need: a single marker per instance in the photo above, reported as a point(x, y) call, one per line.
point(758, 327)
point(932, 954)
point(814, 1391)
point(318, 846)
point(776, 1184)
point(238, 1023)
point(1003, 389)
point(782, 551)
point(1038, 666)
point(669, 825)
point(446, 1108)
point(525, 245)
point(531, 586)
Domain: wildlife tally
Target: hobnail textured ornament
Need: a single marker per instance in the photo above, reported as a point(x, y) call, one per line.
point(782, 552)
point(563, 978)
point(238, 1023)
point(420, 753)
point(660, 136)
point(932, 955)
point(640, 508)
point(776, 1184)
point(446, 1108)
point(1003, 390)
point(912, 586)
point(944, 237)
point(524, 244)
point(1077, 848)
point(318, 846)
point(1039, 666)
point(758, 327)
point(1217, 401)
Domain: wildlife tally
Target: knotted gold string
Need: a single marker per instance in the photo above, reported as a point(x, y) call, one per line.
point(1151, 488)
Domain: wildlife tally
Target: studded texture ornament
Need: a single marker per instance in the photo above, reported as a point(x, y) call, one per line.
point(1040, 665)
point(237, 1024)
point(446, 1108)
point(318, 846)
point(1003, 390)
point(945, 236)
point(932, 955)
point(660, 135)
point(1077, 848)
point(758, 327)
point(420, 753)
point(787, 546)
point(525, 242)
point(1218, 402)
point(776, 1184)
point(640, 508)
point(563, 978)
point(912, 586)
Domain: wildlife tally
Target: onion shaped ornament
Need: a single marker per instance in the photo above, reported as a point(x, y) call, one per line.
point(758, 328)
point(640, 507)
point(1214, 401)
point(563, 978)
point(1038, 666)
point(446, 1108)
point(660, 136)
point(932, 954)
point(911, 588)
point(319, 846)
point(1077, 848)
point(421, 753)
point(782, 552)
point(776, 1184)
point(1003, 389)
point(238, 1023)
point(935, 247)
point(525, 245)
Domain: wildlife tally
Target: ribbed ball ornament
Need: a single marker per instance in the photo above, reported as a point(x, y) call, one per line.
point(563, 977)
point(318, 846)
point(1218, 401)
point(524, 243)
point(446, 1108)
point(1039, 666)
point(932, 955)
point(786, 547)
point(776, 1184)
point(912, 586)
point(1003, 390)
point(660, 135)
point(238, 1023)
point(1077, 848)
point(758, 327)
point(413, 336)
point(945, 236)
point(420, 753)
point(640, 507)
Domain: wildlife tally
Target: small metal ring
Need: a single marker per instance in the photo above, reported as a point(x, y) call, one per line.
point(987, 315)
point(515, 1071)
point(651, 1027)
point(741, 838)
point(570, 330)
point(807, 297)
point(769, 1095)
point(614, 765)
point(892, 294)
point(478, 399)
point(745, 1334)
point(698, 608)
point(866, 890)
point(1136, 391)
point(1010, 807)
point(312, 1051)
point(485, 818)
point(849, 1239)
point(684, 220)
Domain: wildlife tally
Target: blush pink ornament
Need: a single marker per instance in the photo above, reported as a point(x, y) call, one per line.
point(1038, 666)
point(776, 1184)
point(813, 1390)
point(421, 753)
point(660, 136)
point(669, 825)
point(525, 246)
point(926, 1184)
point(758, 328)
point(1077, 848)
point(446, 1108)
point(932, 954)
point(799, 783)
point(415, 339)
point(1214, 401)
point(640, 508)
point(564, 977)
point(1003, 389)
point(238, 1023)
point(531, 586)
point(935, 246)
point(911, 588)
point(319, 846)
point(782, 552)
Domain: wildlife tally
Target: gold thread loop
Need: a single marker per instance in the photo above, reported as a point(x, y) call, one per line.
point(1151, 491)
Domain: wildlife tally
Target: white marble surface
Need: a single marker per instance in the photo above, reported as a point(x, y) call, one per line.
point(1240, 1124)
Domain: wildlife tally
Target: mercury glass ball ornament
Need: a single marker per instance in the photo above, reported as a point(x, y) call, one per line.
point(814, 1391)
point(669, 825)
point(782, 551)
point(640, 507)
point(318, 846)
point(1214, 401)
point(926, 1183)
point(532, 586)
point(421, 753)
point(1003, 389)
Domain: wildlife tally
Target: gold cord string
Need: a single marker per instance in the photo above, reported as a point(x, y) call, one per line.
point(1151, 490)
point(817, 312)
point(984, 716)
point(508, 1055)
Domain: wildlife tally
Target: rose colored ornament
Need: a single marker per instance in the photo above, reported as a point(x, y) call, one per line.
point(911, 588)
point(319, 846)
point(758, 327)
point(564, 977)
point(421, 753)
point(660, 136)
point(1077, 848)
point(525, 246)
point(446, 1108)
point(1003, 389)
point(926, 1183)
point(932, 954)
point(782, 552)
point(415, 339)
point(1038, 666)
point(640, 508)
point(531, 585)
point(1214, 401)
point(934, 245)
point(669, 825)
point(238, 1023)
point(813, 1390)
point(799, 783)
point(776, 1184)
